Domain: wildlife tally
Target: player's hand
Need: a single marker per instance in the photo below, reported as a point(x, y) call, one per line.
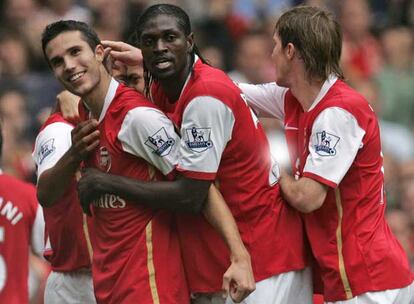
point(67, 104)
point(123, 52)
point(238, 281)
point(85, 138)
point(91, 186)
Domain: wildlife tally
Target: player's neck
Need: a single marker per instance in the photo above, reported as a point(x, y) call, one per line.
point(306, 91)
point(96, 98)
point(173, 86)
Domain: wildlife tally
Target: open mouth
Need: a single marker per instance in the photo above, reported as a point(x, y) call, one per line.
point(76, 76)
point(162, 63)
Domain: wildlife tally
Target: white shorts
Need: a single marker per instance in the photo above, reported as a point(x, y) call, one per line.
point(393, 296)
point(294, 287)
point(69, 288)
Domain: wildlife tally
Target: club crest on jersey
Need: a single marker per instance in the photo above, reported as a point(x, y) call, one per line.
point(198, 139)
point(46, 149)
point(104, 159)
point(160, 143)
point(326, 143)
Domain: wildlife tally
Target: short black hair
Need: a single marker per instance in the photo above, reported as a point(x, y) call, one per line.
point(54, 29)
point(183, 22)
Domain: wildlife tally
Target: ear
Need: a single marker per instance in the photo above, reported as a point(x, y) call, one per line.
point(100, 53)
point(290, 50)
point(190, 43)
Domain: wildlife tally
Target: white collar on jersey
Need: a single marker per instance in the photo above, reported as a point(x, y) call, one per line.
point(325, 88)
point(196, 58)
point(110, 94)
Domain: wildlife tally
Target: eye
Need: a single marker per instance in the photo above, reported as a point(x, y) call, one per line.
point(75, 51)
point(148, 41)
point(170, 37)
point(56, 62)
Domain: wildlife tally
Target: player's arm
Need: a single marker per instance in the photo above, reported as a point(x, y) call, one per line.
point(148, 134)
point(38, 230)
point(304, 194)
point(335, 140)
point(238, 280)
point(267, 100)
point(67, 104)
point(58, 159)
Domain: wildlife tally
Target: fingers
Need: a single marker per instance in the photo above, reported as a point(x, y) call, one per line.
point(67, 104)
point(85, 138)
point(115, 45)
point(226, 283)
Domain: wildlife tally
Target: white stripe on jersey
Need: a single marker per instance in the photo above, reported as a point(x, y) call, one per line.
point(206, 128)
point(335, 140)
point(148, 133)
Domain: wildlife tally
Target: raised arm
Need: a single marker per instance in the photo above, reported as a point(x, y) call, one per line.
point(58, 160)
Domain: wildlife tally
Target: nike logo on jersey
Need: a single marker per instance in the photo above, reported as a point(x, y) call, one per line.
point(287, 127)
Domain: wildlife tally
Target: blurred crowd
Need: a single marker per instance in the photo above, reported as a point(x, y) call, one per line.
point(234, 35)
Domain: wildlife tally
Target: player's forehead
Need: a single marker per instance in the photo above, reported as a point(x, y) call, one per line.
point(64, 41)
point(160, 24)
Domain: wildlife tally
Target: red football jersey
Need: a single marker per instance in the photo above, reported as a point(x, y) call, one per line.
point(65, 243)
point(18, 208)
point(337, 143)
point(222, 141)
point(136, 256)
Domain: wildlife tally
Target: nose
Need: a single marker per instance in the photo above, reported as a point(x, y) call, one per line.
point(69, 64)
point(160, 46)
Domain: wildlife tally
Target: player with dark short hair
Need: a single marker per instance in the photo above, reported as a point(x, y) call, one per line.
point(222, 142)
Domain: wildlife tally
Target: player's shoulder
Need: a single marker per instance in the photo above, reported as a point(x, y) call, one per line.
point(56, 117)
point(17, 188)
point(208, 78)
point(130, 98)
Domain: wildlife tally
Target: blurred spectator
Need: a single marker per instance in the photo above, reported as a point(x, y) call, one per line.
point(214, 56)
point(396, 79)
point(400, 224)
point(397, 140)
point(361, 56)
point(17, 148)
point(221, 27)
point(392, 12)
point(41, 88)
point(260, 9)
point(109, 19)
point(252, 59)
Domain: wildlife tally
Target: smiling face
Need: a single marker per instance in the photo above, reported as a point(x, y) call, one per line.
point(74, 63)
point(165, 48)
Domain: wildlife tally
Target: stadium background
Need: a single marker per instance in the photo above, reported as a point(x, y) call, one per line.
point(234, 35)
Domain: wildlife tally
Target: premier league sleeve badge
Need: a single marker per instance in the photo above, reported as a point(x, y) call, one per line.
point(198, 139)
point(160, 142)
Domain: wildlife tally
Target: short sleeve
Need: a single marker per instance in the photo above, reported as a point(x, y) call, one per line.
point(267, 100)
point(147, 133)
point(335, 140)
point(51, 144)
point(207, 126)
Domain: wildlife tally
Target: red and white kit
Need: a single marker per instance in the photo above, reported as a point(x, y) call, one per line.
point(337, 143)
point(137, 256)
point(65, 243)
point(222, 141)
point(21, 225)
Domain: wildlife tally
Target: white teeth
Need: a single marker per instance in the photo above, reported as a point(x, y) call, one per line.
point(163, 65)
point(76, 76)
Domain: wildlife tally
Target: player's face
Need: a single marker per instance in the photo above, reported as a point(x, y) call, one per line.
point(135, 77)
point(280, 61)
point(74, 63)
point(165, 48)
